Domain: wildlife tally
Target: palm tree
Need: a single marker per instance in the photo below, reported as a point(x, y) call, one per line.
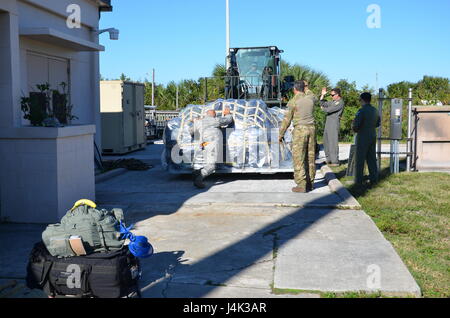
point(215, 85)
point(125, 78)
point(315, 79)
point(188, 92)
point(219, 70)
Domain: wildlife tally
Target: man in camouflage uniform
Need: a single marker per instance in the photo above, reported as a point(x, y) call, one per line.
point(207, 137)
point(309, 92)
point(300, 112)
point(366, 121)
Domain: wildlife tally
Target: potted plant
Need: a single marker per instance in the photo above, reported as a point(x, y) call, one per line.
point(36, 106)
point(62, 110)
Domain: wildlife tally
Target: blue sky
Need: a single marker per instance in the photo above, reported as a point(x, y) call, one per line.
point(184, 39)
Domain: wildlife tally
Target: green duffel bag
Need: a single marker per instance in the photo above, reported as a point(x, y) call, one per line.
point(98, 230)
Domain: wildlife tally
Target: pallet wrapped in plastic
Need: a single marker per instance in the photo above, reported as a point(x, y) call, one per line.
point(251, 141)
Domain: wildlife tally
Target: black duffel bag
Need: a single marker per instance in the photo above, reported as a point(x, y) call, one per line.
point(106, 274)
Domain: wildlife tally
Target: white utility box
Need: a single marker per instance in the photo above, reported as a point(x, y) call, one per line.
point(123, 116)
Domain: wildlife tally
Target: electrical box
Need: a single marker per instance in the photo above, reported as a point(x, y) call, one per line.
point(122, 113)
point(431, 144)
point(396, 118)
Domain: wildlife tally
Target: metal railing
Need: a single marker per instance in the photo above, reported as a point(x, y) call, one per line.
point(157, 121)
point(265, 87)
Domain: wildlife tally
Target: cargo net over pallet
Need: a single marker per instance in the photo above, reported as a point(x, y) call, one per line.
point(250, 143)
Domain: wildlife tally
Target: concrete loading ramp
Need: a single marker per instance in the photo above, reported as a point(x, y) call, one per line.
point(248, 236)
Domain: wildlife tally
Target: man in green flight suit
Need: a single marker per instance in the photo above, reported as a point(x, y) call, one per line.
point(300, 112)
point(365, 123)
point(333, 110)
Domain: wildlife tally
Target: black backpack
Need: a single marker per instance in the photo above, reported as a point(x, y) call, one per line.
point(105, 274)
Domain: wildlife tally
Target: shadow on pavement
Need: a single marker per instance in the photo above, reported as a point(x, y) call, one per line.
point(204, 276)
point(221, 266)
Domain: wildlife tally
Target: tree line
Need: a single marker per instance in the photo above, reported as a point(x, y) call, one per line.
point(427, 91)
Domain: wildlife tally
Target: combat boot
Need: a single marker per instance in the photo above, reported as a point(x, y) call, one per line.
point(299, 189)
point(198, 179)
point(195, 174)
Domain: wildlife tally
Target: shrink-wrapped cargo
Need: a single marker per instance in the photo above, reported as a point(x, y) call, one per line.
point(250, 143)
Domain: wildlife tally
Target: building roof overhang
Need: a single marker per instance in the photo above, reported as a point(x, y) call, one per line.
point(55, 37)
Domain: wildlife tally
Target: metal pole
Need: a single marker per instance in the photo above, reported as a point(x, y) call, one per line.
point(153, 87)
point(206, 90)
point(408, 141)
point(394, 156)
point(397, 157)
point(376, 79)
point(380, 111)
point(394, 165)
point(391, 157)
point(227, 31)
point(280, 99)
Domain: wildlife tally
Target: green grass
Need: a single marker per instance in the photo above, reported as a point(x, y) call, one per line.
point(287, 291)
point(352, 295)
point(281, 291)
point(412, 210)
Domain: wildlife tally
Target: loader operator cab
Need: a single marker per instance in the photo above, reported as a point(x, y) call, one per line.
point(254, 73)
point(253, 78)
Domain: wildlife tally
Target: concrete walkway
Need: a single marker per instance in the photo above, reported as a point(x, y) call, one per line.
point(242, 236)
